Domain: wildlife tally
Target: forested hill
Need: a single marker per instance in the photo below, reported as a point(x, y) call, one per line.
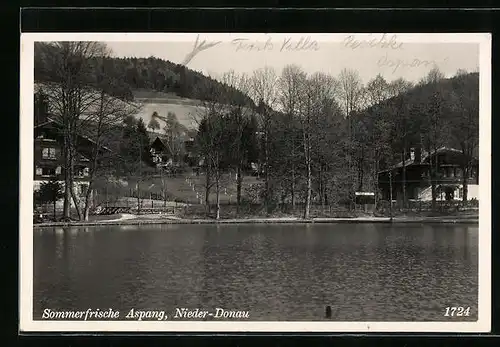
point(448, 108)
point(141, 73)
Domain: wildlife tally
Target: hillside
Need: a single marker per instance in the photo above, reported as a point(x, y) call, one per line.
point(131, 74)
point(186, 110)
point(450, 97)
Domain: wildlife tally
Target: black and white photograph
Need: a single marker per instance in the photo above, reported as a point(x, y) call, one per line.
point(255, 182)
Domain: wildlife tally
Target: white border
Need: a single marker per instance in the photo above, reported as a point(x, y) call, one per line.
point(27, 324)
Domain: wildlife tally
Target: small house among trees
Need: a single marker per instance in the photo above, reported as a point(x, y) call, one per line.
point(160, 153)
point(445, 171)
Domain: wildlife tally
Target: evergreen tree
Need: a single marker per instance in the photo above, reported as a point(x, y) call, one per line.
point(50, 192)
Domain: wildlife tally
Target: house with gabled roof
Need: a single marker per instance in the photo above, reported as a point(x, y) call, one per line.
point(414, 174)
point(48, 160)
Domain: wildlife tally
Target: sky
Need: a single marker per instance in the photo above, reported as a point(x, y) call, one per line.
point(391, 55)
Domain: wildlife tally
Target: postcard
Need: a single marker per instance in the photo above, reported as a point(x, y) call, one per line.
point(255, 182)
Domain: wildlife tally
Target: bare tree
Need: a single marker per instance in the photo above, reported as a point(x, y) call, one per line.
point(351, 98)
point(264, 90)
point(291, 85)
point(433, 76)
point(317, 102)
point(465, 128)
point(240, 112)
point(401, 124)
point(378, 90)
point(101, 123)
point(209, 139)
point(69, 67)
point(398, 87)
point(435, 127)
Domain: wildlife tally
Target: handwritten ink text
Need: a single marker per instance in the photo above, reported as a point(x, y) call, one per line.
point(383, 42)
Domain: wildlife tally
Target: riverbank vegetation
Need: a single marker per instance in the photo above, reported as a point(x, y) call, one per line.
point(307, 141)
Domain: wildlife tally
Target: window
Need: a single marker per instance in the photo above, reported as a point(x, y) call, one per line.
point(82, 172)
point(48, 153)
point(39, 171)
point(58, 170)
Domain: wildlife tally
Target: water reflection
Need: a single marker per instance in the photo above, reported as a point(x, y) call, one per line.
point(277, 272)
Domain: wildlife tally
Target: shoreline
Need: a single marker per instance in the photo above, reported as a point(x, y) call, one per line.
point(395, 220)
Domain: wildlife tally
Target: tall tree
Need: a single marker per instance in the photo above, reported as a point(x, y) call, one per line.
point(69, 68)
point(465, 125)
point(242, 127)
point(175, 135)
point(435, 126)
point(100, 126)
point(209, 141)
point(378, 91)
point(291, 86)
point(351, 99)
point(318, 110)
point(264, 89)
point(135, 154)
point(153, 123)
point(403, 126)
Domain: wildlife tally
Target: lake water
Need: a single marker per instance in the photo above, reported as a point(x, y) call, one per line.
point(365, 272)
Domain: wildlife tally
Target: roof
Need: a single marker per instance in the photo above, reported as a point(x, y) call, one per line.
point(158, 140)
point(425, 155)
point(53, 121)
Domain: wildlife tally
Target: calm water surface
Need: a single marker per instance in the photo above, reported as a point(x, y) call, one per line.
point(368, 272)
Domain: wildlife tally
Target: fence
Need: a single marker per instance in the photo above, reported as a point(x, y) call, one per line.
point(427, 206)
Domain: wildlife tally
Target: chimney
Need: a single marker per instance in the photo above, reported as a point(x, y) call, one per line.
point(412, 153)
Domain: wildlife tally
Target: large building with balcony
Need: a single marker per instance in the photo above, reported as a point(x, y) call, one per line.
point(414, 175)
point(49, 160)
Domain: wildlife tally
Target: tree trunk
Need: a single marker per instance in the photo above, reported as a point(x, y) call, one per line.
point(163, 188)
point(239, 182)
point(465, 186)
point(76, 202)
point(390, 194)
point(88, 195)
point(361, 172)
point(267, 197)
point(207, 190)
point(292, 188)
point(217, 196)
point(67, 178)
point(375, 182)
point(55, 200)
point(307, 153)
point(72, 188)
point(434, 194)
point(138, 198)
point(434, 179)
point(404, 176)
point(308, 196)
point(321, 188)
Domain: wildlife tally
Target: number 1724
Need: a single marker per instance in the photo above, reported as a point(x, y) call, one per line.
point(457, 311)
